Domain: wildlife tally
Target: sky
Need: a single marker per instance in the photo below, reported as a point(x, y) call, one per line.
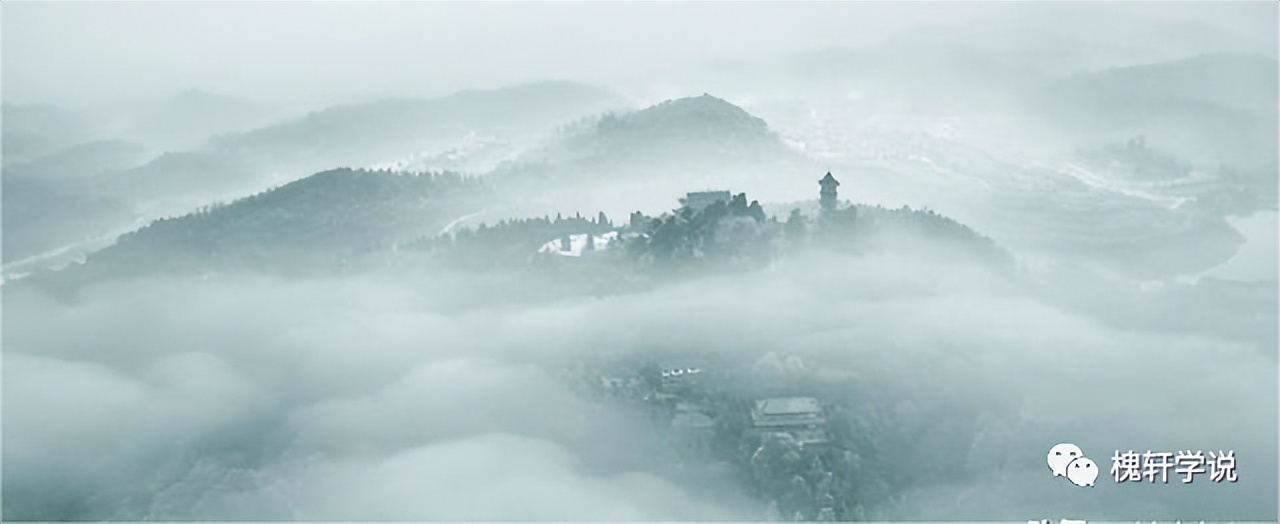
point(77, 52)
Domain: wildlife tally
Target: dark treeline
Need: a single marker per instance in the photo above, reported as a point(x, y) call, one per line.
point(339, 210)
point(732, 231)
point(724, 235)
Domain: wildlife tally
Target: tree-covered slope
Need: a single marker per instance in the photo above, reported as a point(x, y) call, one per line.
point(318, 222)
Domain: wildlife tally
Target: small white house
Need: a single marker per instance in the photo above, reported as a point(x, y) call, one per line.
point(578, 244)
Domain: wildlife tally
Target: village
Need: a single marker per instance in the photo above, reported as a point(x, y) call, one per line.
point(730, 421)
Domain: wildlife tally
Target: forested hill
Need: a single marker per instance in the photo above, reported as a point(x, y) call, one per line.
point(670, 139)
point(695, 122)
point(725, 235)
point(903, 229)
point(923, 232)
point(317, 221)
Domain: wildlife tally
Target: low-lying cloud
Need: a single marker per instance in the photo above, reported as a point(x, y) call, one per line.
point(378, 397)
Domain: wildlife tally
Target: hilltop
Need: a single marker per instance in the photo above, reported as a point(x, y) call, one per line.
point(611, 161)
point(316, 223)
point(702, 129)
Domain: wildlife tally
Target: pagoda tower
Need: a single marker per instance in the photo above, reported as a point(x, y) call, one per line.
point(827, 196)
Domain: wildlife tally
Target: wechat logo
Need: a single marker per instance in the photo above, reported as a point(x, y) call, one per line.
point(1066, 460)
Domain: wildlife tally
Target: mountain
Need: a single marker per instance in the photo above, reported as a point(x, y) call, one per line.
point(701, 129)
point(81, 160)
point(356, 135)
point(1217, 108)
point(364, 134)
point(1064, 38)
point(191, 117)
point(1067, 211)
point(75, 195)
point(241, 163)
point(646, 158)
point(316, 223)
point(1241, 82)
point(32, 131)
point(181, 175)
point(40, 215)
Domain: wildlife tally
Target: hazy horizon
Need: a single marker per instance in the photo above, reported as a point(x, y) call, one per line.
point(86, 53)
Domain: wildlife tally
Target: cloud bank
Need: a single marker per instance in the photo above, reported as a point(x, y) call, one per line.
point(378, 397)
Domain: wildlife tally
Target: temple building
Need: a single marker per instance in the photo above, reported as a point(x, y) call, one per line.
point(699, 200)
point(829, 202)
point(801, 417)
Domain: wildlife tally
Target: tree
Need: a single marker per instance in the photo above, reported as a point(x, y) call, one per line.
point(756, 211)
point(794, 229)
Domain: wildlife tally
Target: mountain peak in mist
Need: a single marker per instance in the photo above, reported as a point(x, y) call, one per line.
point(702, 110)
point(698, 121)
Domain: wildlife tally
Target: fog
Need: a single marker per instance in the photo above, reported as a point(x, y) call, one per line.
point(298, 261)
point(372, 398)
point(79, 53)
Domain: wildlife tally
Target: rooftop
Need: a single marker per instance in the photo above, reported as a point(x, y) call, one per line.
point(701, 199)
point(788, 406)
